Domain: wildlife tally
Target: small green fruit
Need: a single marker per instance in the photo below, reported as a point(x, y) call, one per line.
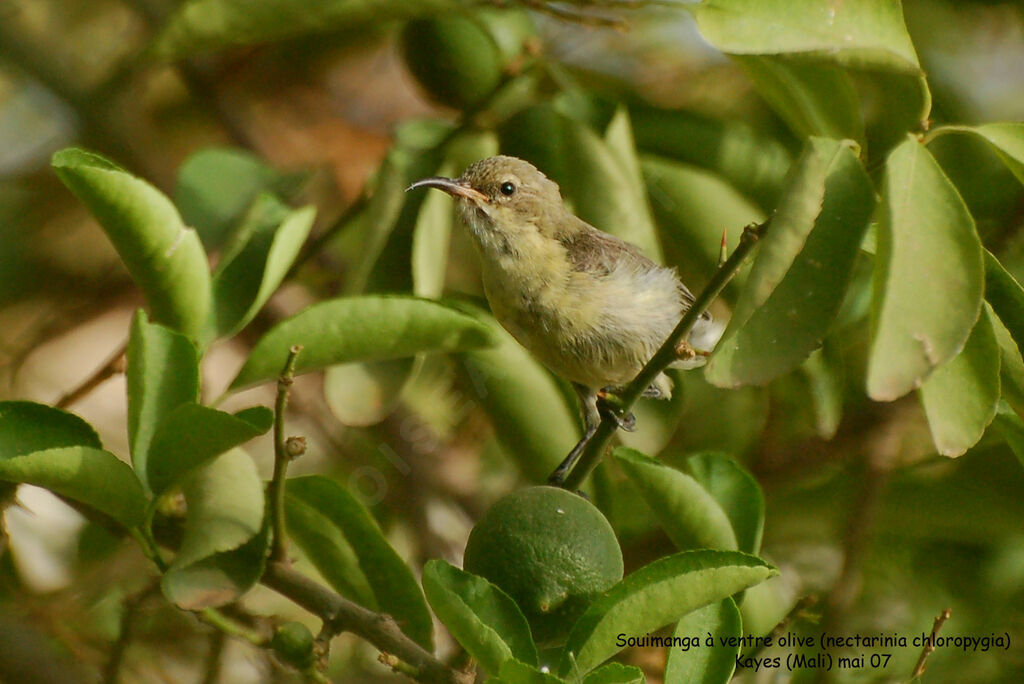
point(293, 643)
point(550, 550)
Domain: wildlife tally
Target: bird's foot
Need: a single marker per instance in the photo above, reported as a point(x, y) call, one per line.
point(685, 352)
point(610, 405)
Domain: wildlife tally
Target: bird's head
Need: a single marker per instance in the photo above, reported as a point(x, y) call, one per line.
point(504, 196)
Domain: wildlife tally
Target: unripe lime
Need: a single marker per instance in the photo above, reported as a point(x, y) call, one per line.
point(292, 643)
point(551, 550)
point(459, 60)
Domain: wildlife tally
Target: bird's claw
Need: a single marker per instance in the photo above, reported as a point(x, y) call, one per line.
point(685, 352)
point(610, 405)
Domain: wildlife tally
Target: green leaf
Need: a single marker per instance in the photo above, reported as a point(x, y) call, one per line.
point(928, 274)
point(693, 209)
point(256, 261)
point(393, 214)
point(481, 617)
point(325, 547)
point(1011, 366)
point(803, 267)
point(515, 672)
point(362, 394)
point(368, 328)
point(85, 474)
point(192, 435)
point(1011, 427)
point(707, 664)
point(216, 186)
point(536, 434)
point(165, 258)
point(814, 99)
point(201, 26)
point(394, 587)
point(26, 426)
point(736, 491)
point(689, 514)
point(753, 163)
point(162, 374)
point(616, 673)
point(801, 43)
point(960, 397)
point(656, 595)
point(223, 550)
point(823, 371)
point(601, 188)
point(1006, 296)
point(866, 33)
point(1007, 139)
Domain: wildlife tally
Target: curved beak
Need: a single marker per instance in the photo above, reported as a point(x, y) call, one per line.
point(454, 187)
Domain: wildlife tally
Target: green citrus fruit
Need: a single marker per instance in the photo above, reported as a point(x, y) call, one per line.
point(551, 550)
point(292, 643)
point(460, 59)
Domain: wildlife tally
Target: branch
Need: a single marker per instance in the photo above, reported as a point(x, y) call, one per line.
point(113, 366)
point(339, 614)
point(930, 645)
point(284, 451)
point(666, 354)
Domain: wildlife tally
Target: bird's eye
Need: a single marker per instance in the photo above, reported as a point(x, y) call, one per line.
point(507, 189)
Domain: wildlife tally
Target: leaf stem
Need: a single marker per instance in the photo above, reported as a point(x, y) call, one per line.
point(282, 456)
point(666, 354)
point(231, 627)
point(339, 614)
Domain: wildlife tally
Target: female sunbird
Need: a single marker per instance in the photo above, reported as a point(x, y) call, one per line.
point(591, 307)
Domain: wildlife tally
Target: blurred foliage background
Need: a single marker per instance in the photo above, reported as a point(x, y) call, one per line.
point(338, 111)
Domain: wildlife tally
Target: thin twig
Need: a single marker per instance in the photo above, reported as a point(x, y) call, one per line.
point(666, 354)
point(282, 456)
point(113, 366)
point(930, 644)
point(339, 614)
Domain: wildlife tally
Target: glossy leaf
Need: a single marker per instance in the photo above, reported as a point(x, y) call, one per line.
point(694, 208)
point(753, 163)
point(482, 618)
point(26, 426)
point(200, 26)
point(867, 33)
point(85, 474)
point(394, 587)
point(162, 374)
point(928, 274)
point(324, 545)
point(706, 664)
point(255, 263)
point(369, 328)
point(689, 514)
point(536, 434)
point(387, 261)
point(1006, 139)
point(1011, 427)
point(223, 549)
point(615, 673)
point(516, 672)
point(163, 256)
point(960, 397)
point(736, 491)
point(1011, 367)
point(192, 435)
point(1006, 296)
point(804, 264)
point(814, 99)
point(217, 185)
point(656, 595)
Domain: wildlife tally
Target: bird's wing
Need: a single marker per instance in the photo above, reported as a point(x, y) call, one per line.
point(594, 251)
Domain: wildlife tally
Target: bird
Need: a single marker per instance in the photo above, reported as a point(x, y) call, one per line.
point(589, 306)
